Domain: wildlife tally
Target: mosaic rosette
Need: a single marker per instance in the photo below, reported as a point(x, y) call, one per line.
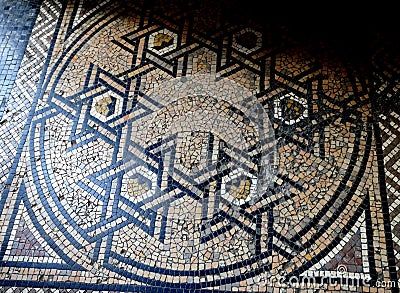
point(102, 192)
point(161, 153)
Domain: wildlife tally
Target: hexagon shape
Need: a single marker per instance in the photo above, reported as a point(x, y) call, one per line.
point(163, 41)
point(239, 186)
point(106, 106)
point(247, 41)
point(290, 109)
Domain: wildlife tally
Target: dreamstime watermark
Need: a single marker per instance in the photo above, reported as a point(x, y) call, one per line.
point(341, 277)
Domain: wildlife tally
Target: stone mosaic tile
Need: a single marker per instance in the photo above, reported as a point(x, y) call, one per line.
point(387, 78)
point(164, 147)
point(18, 101)
point(16, 21)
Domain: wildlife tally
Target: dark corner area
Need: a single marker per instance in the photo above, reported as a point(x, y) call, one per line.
point(351, 33)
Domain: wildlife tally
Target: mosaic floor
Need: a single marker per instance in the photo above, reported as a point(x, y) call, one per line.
point(182, 146)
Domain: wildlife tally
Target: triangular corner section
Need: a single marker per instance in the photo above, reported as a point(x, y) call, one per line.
point(23, 245)
point(348, 257)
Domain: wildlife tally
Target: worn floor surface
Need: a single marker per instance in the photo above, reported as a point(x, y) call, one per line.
point(188, 146)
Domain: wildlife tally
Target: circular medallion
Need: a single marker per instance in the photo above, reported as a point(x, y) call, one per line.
point(195, 179)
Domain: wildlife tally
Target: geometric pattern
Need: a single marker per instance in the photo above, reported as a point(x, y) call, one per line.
point(390, 142)
point(387, 84)
point(165, 149)
point(15, 28)
point(15, 109)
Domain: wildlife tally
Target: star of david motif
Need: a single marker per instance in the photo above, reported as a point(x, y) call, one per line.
point(201, 155)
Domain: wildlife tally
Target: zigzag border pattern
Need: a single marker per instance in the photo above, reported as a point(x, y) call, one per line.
point(26, 84)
